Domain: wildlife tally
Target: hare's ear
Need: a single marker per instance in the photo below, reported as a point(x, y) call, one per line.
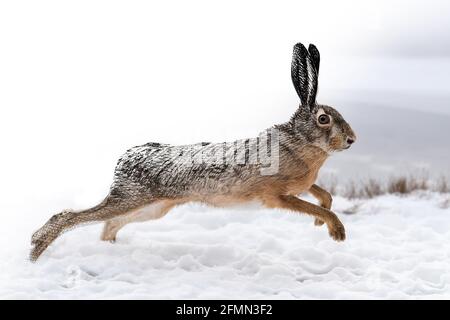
point(299, 72)
point(304, 76)
point(315, 57)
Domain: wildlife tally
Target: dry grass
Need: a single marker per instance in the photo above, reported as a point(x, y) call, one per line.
point(368, 189)
point(401, 185)
point(398, 185)
point(372, 189)
point(351, 191)
point(405, 185)
point(443, 185)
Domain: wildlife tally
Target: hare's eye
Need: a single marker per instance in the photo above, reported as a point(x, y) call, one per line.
point(324, 119)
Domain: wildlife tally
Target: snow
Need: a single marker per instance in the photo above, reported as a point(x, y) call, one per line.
point(76, 96)
point(396, 248)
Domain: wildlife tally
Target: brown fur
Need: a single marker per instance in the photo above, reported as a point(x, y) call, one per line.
point(268, 191)
point(274, 191)
point(335, 142)
point(151, 179)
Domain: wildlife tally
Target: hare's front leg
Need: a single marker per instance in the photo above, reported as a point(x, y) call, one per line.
point(335, 227)
point(324, 198)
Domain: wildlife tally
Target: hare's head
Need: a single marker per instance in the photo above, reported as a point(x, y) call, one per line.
point(321, 125)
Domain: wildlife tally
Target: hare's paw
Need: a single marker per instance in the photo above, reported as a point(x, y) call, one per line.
point(337, 231)
point(37, 249)
point(110, 237)
point(43, 237)
point(41, 240)
point(318, 222)
point(110, 230)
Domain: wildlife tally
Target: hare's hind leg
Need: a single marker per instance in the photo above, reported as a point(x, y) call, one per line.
point(111, 227)
point(324, 198)
point(66, 220)
point(153, 211)
point(335, 226)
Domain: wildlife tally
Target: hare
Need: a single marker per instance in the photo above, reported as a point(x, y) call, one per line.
point(273, 168)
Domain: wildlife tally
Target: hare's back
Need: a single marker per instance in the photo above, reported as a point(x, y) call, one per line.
point(172, 170)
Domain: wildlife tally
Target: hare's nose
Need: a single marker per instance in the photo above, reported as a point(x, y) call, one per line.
point(350, 140)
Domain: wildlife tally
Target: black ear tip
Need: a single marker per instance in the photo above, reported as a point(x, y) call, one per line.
point(313, 49)
point(299, 47)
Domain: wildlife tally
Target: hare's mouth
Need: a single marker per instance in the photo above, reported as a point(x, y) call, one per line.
point(343, 148)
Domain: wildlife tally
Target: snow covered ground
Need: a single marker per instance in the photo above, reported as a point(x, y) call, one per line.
point(396, 247)
point(75, 96)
